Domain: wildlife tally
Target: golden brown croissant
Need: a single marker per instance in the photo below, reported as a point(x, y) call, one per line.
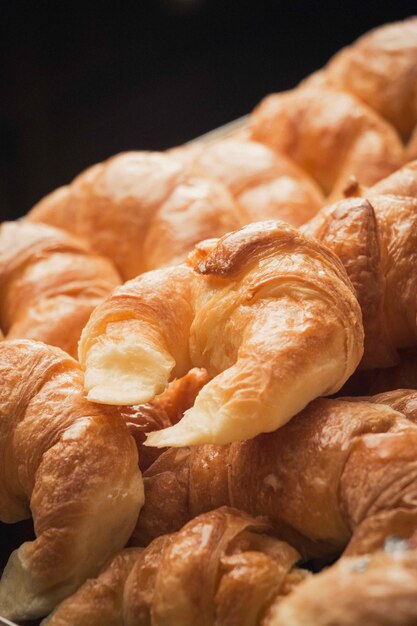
point(339, 473)
point(376, 590)
point(269, 313)
point(376, 239)
point(267, 184)
point(70, 465)
point(330, 134)
point(220, 569)
point(141, 210)
point(380, 69)
point(50, 282)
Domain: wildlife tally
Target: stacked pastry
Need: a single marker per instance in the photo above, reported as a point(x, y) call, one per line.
point(207, 370)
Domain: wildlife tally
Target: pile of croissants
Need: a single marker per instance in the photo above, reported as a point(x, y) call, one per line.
point(264, 271)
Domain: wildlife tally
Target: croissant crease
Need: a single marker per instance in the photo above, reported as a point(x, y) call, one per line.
point(50, 282)
point(269, 314)
point(375, 237)
point(339, 476)
point(221, 568)
point(70, 465)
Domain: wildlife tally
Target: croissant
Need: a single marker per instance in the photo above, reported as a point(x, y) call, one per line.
point(50, 282)
point(269, 314)
point(70, 465)
point(341, 475)
point(141, 210)
point(330, 134)
point(376, 590)
point(380, 69)
point(376, 239)
point(220, 569)
point(266, 184)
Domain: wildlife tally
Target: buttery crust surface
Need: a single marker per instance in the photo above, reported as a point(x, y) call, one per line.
point(219, 569)
point(269, 313)
point(341, 475)
point(68, 464)
point(377, 590)
point(375, 237)
point(50, 282)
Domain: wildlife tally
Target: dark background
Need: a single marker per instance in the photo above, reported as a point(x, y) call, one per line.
point(82, 81)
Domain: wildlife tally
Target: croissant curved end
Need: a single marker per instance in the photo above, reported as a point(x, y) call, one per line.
point(119, 371)
point(245, 407)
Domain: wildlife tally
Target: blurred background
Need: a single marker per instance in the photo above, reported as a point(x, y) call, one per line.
point(82, 81)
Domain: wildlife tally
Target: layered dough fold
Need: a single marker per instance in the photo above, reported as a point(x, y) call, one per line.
point(339, 476)
point(268, 313)
point(375, 237)
point(50, 282)
point(220, 568)
point(68, 464)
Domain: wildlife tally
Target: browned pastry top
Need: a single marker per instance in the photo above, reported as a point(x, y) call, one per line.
point(50, 282)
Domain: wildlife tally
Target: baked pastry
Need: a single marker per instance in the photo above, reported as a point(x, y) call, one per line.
point(269, 313)
point(220, 569)
point(141, 210)
point(50, 282)
point(376, 590)
point(69, 465)
point(346, 120)
point(401, 400)
point(266, 184)
point(163, 411)
point(375, 237)
point(99, 601)
point(330, 134)
point(340, 476)
point(380, 69)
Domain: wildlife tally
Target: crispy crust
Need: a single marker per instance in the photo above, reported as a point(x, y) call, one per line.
point(50, 282)
point(269, 313)
point(325, 478)
point(71, 465)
